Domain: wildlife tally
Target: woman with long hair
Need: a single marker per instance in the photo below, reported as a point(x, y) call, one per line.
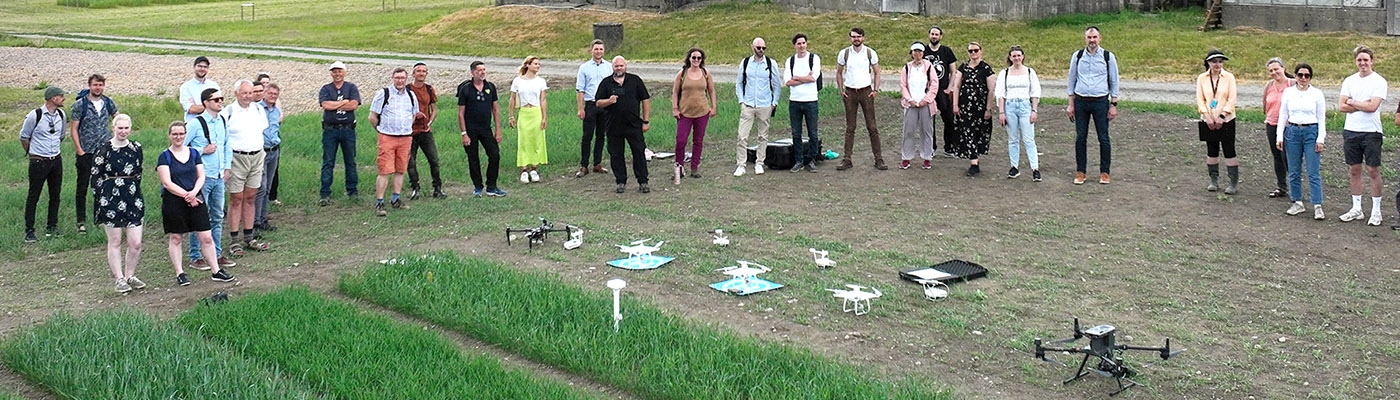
point(693, 102)
point(1279, 80)
point(1302, 117)
point(972, 121)
point(1018, 98)
point(527, 99)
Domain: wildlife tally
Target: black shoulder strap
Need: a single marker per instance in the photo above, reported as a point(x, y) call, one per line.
point(38, 113)
point(789, 62)
point(772, 92)
point(811, 61)
point(205, 124)
point(744, 76)
point(386, 98)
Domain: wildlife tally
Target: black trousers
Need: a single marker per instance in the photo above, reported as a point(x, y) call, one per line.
point(595, 126)
point(1281, 160)
point(487, 141)
point(425, 142)
point(40, 173)
point(83, 186)
point(276, 180)
point(945, 112)
point(633, 138)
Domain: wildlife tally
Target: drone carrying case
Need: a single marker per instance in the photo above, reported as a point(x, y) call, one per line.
point(947, 272)
point(778, 155)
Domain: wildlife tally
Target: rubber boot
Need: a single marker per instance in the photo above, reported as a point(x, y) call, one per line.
point(1214, 177)
point(1234, 172)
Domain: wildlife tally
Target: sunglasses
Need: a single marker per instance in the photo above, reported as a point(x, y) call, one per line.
point(974, 50)
point(217, 99)
point(1304, 75)
point(760, 48)
point(697, 58)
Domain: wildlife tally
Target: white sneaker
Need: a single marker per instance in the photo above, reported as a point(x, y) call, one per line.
point(1375, 219)
point(758, 169)
point(1317, 213)
point(739, 171)
point(138, 284)
point(524, 177)
point(1353, 215)
point(534, 176)
point(1296, 208)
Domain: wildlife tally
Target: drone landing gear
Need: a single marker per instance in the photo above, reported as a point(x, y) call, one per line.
point(1106, 369)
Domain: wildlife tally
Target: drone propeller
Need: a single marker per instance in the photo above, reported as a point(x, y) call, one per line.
point(855, 287)
point(641, 241)
point(1040, 353)
point(1166, 354)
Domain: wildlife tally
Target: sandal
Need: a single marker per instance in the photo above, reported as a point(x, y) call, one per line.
point(1276, 193)
point(257, 245)
point(236, 250)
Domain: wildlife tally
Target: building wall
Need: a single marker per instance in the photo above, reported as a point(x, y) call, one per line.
point(1364, 16)
point(998, 9)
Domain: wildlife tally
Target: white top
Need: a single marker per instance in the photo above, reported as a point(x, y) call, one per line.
point(1011, 86)
point(918, 80)
point(245, 126)
point(797, 66)
point(1303, 107)
point(858, 65)
point(1363, 89)
point(98, 104)
point(528, 90)
point(396, 117)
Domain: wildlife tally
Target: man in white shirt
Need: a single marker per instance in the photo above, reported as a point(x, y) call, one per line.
point(858, 76)
point(392, 114)
point(246, 121)
point(1361, 97)
point(191, 89)
point(803, 70)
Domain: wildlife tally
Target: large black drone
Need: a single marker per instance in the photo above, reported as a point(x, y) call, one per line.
point(1110, 354)
point(538, 233)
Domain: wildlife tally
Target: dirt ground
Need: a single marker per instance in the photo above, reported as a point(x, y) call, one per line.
point(1269, 306)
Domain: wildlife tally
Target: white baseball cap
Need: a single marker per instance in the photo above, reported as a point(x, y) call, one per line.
point(337, 64)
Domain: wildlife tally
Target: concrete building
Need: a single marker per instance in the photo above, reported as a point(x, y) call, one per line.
point(998, 9)
point(1364, 16)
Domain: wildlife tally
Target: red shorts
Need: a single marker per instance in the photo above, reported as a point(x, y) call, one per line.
point(393, 154)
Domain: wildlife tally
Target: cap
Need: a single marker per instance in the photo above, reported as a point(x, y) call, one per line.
point(916, 46)
point(337, 64)
point(52, 91)
point(201, 59)
point(1213, 54)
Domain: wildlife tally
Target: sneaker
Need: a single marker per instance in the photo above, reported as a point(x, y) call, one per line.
point(845, 165)
point(677, 171)
point(379, 210)
point(226, 263)
point(413, 195)
point(221, 276)
point(399, 204)
point(581, 172)
point(1354, 214)
point(622, 188)
point(29, 236)
point(52, 231)
point(135, 283)
point(1296, 208)
point(524, 177)
point(739, 171)
point(1013, 173)
point(904, 164)
point(182, 280)
point(534, 175)
point(880, 165)
point(476, 192)
point(1375, 219)
point(277, 203)
point(82, 229)
point(1035, 175)
point(798, 167)
point(200, 264)
point(812, 166)
point(758, 169)
point(644, 188)
point(122, 286)
point(973, 170)
point(325, 201)
point(1103, 178)
point(1079, 178)
point(928, 164)
point(497, 192)
point(1317, 212)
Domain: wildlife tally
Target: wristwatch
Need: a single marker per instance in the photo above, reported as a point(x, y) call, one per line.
point(646, 122)
point(464, 133)
point(1113, 103)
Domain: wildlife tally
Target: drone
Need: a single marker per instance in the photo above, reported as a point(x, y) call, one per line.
point(934, 290)
point(539, 233)
point(575, 240)
point(820, 258)
point(745, 272)
point(720, 238)
point(1110, 354)
point(856, 300)
point(640, 248)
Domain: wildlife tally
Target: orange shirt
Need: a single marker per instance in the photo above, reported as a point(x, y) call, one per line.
point(1216, 97)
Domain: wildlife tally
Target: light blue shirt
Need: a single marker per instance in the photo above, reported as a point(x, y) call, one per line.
point(189, 94)
point(590, 74)
point(272, 136)
point(763, 84)
point(222, 158)
point(1092, 76)
point(395, 118)
point(43, 133)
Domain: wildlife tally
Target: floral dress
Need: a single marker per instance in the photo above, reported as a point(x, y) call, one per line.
point(116, 183)
point(972, 134)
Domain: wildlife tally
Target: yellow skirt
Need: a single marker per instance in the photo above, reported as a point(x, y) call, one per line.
point(530, 143)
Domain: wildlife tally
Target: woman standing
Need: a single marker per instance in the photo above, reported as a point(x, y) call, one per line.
point(1215, 100)
point(527, 98)
point(919, 89)
point(1279, 80)
point(183, 210)
point(972, 120)
point(1018, 98)
point(692, 104)
point(116, 184)
point(1302, 117)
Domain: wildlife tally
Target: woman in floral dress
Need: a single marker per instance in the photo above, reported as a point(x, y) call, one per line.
point(972, 119)
point(116, 183)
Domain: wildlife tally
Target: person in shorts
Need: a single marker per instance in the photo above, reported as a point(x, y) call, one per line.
point(1361, 97)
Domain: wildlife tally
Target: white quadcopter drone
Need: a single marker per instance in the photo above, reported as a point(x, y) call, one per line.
point(640, 249)
point(720, 239)
point(821, 259)
point(575, 240)
point(855, 299)
point(744, 272)
point(934, 290)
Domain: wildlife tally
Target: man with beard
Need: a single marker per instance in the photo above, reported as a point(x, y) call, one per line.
point(629, 107)
point(944, 65)
point(91, 118)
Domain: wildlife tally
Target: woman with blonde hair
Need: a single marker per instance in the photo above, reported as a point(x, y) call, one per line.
point(1279, 80)
point(116, 184)
point(527, 99)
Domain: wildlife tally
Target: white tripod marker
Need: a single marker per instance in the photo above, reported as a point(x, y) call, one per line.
point(616, 285)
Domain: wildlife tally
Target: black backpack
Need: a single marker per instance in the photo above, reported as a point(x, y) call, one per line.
point(39, 116)
point(205, 124)
point(744, 75)
point(1107, 58)
point(811, 62)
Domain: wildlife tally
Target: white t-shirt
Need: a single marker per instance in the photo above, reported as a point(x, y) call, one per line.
point(99, 104)
point(245, 126)
point(858, 65)
point(798, 67)
point(528, 90)
point(918, 80)
point(1363, 89)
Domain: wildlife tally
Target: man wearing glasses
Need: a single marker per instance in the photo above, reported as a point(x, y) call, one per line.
point(40, 134)
point(758, 97)
point(858, 76)
point(190, 90)
point(208, 132)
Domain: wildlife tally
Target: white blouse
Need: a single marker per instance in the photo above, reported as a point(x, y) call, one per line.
point(528, 90)
point(1024, 86)
point(1303, 107)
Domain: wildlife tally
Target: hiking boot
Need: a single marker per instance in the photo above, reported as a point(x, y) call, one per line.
point(904, 164)
point(122, 286)
point(1352, 215)
point(135, 283)
point(1317, 212)
point(226, 263)
point(325, 201)
point(413, 195)
point(182, 280)
point(1375, 219)
point(379, 210)
point(880, 165)
point(845, 165)
point(496, 192)
point(1035, 175)
point(739, 171)
point(399, 204)
point(1296, 208)
point(1103, 178)
point(644, 188)
point(1079, 178)
point(200, 264)
point(221, 276)
point(758, 169)
point(476, 192)
point(622, 188)
point(29, 236)
point(1013, 173)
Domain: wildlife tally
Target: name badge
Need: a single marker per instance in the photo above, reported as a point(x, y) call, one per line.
point(1212, 103)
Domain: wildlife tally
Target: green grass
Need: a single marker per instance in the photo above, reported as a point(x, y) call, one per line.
point(123, 3)
point(123, 354)
point(348, 353)
point(654, 355)
point(10, 396)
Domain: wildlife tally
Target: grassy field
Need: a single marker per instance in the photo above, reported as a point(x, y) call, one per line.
point(653, 355)
point(124, 354)
point(123, 3)
point(1161, 47)
point(347, 353)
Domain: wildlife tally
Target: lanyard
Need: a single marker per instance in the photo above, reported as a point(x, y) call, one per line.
point(1214, 91)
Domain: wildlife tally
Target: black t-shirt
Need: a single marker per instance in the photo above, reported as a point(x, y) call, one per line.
point(347, 91)
point(627, 112)
point(477, 114)
point(943, 60)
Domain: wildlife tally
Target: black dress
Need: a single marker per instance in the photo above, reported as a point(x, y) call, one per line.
point(972, 133)
point(116, 183)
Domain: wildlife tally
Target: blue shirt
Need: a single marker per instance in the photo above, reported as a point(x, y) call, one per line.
point(189, 94)
point(761, 87)
point(222, 158)
point(589, 75)
point(272, 136)
point(183, 174)
point(1092, 76)
point(43, 133)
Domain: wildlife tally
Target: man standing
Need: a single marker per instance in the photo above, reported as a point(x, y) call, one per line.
point(245, 121)
point(803, 70)
point(190, 90)
point(477, 118)
point(339, 99)
point(629, 110)
point(1362, 94)
point(423, 133)
point(1093, 92)
point(208, 132)
point(595, 120)
point(945, 62)
point(266, 81)
point(858, 76)
point(758, 98)
point(40, 134)
point(272, 154)
point(91, 117)
point(392, 115)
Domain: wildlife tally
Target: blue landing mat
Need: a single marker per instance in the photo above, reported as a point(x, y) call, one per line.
point(639, 263)
point(739, 287)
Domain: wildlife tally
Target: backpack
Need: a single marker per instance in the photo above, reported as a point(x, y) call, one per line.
point(413, 99)
point(205, 124)
point(39, 116)
point(931, 78)
point(744, 75)
point(811, 62)
point(109, 106)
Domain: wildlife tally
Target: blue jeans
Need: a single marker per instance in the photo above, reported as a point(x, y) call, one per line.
point(344, 140)
point(799, 111)
point(1019, 129)
point(1098, 110)
point(1299, 143)
point(213, 193)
